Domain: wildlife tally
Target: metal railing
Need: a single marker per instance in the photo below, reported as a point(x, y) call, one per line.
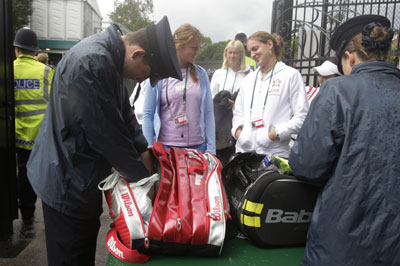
point(307, 25)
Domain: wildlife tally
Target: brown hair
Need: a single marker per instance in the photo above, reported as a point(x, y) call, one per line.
point(379, 34)
point(138, 38)
point(276, 39)
point(184, 34)
point(43, 57)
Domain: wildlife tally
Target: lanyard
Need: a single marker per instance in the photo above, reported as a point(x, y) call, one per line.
point(266, 96)
point(233, 85)
point(184, 94)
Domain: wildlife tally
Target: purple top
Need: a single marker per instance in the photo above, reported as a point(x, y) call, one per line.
point(190, 133)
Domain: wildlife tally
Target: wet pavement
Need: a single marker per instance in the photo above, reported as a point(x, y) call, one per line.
point(27, 246)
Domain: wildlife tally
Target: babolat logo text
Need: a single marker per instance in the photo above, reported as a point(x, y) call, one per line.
point(127, 203)
point(279, 216)
point(111, 244)
point(30, 84)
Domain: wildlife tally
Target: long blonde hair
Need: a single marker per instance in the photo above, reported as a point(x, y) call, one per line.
point(184, 34)
point(238, 45)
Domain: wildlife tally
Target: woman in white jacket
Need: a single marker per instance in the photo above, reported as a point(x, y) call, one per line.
point(272, 102)
point(225, 84)
point(233, 70)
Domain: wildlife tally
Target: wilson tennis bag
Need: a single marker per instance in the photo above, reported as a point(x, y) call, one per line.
point(189, 212)
point(124, 200)
point(270, 208)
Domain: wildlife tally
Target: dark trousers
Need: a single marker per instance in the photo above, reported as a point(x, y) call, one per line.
point(69, 241)
point(26, 195)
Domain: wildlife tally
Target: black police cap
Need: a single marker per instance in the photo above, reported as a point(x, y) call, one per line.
point(26, 39)
point(348, 30)
point(161, 48)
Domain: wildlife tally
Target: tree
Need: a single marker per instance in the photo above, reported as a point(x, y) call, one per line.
point(132, 14)
point(212, 51)
point(22, 12)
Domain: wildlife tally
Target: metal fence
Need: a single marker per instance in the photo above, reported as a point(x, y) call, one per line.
point(307, 25)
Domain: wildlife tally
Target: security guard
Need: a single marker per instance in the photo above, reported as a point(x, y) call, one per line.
point(248, 60)
point(32, 80)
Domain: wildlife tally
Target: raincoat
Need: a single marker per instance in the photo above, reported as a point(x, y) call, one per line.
point(350, 143)
point(88, 128)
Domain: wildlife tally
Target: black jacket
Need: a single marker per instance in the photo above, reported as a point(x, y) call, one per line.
point(350, 142)
point(88, 128)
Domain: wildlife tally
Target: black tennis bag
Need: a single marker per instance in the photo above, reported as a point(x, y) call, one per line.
point(270, 208)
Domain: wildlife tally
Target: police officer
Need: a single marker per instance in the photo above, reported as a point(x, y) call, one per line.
point(248, 60)
point(89, 128)
point(32, 81)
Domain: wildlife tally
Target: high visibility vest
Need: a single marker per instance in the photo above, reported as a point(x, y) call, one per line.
point(250, 62)
point(32, 81)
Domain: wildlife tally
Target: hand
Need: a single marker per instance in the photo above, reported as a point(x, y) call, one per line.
point(272, 135)
point(231, 103)
point(238, 132)
point(147, 160)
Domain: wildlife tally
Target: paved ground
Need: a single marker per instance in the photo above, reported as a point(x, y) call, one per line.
point(27, 246)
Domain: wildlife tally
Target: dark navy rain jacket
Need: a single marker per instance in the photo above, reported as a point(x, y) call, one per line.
point(350, 143)
point(88, 128)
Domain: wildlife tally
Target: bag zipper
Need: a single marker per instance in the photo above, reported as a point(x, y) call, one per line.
point(146, 239)
point(178, 220)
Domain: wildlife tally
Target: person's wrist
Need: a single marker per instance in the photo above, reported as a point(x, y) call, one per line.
point(238, 131)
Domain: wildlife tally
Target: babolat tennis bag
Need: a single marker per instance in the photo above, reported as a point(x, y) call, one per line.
point(270, 208)
point(188, 215)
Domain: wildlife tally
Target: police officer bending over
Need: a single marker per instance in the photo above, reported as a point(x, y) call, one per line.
point(89, 128)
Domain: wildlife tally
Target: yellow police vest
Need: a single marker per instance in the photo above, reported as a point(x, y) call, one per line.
point(32, 81)
point(251, 63)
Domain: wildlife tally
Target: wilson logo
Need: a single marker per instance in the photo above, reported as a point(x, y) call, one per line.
point(216, 211)
point(279, 216)
point(111, 243)
point(127, 203)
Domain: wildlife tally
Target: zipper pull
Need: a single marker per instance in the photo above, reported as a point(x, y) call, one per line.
point(178, 224)
point(212, 216)
point(146, 241)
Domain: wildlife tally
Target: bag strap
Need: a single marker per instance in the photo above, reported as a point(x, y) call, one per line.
point(158, 148)
point(194, 154)
point(120, 251)
point(109, 182)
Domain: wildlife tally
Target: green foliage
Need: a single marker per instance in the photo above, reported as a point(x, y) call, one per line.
point(21, 12)
point(133, 14)
point(212, 51)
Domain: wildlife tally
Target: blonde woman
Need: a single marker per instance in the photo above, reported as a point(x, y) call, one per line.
point(180, 113)
point(225, 84)
point(272, 102)
point(233, 70)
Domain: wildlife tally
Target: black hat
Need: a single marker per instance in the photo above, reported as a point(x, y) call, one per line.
point(241, 37)
point(26, 39)
point(161, 48)
point(345, 32)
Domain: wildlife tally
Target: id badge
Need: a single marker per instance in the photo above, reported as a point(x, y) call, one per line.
point(181, 120)
point(257, 123)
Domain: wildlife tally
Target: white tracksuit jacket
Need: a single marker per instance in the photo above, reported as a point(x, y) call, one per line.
point(285, 109)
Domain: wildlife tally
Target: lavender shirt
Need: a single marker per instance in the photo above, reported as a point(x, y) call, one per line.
point(185, 135)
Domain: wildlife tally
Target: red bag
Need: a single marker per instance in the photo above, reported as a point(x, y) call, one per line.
point(189, 212)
